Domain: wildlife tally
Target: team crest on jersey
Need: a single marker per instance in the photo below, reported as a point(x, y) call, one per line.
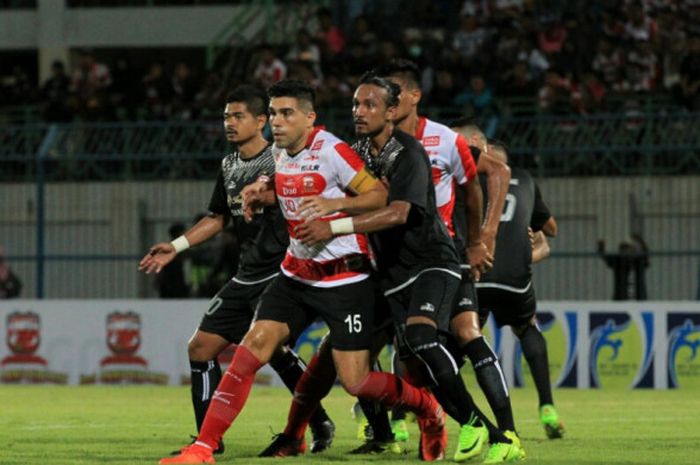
point(24, 365)
point(428, 307)
point(431, 141)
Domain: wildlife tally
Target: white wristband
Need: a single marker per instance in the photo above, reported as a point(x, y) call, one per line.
point(180, 244)
point(342, 226)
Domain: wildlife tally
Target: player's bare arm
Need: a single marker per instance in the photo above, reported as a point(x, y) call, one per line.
point(550, 228)
point(540, 247)
point(497, 179)
point(164, 252)
point(374, 195)
point(480, 258)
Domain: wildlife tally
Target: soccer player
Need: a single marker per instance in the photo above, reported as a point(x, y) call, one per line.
point(506, 290)
point(329, 279)
point(418, 266)
point(452, 164)
point(263, 244)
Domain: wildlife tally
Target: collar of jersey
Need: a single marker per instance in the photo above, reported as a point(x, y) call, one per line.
point(312, 136)
point(420, 128)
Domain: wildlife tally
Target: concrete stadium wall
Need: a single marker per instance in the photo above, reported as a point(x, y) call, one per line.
point(122, 219)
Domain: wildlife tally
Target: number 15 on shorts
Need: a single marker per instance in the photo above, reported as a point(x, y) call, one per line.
point(354, 323)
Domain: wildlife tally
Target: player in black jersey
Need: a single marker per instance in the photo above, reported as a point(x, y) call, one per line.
point(263, 241)
point(506, 290)
point(418, 266)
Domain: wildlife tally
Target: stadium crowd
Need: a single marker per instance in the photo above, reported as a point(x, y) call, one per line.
point(567, 55)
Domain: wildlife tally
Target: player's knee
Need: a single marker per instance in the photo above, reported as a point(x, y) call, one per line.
point(198, 351)
point(465, 327)
point(420, 337)
point(520, 330)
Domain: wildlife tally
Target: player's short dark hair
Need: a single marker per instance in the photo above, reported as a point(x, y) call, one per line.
point(254, 98)
point(299, 90)
point(401, 68)
point(463, 121)
point(499, 144)
point(392, 89)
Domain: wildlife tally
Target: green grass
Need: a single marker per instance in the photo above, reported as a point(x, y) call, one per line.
point(139, 425)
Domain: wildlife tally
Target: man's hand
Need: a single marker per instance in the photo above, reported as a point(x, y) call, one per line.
point(489, 240)
point(314, 207)
point(531, 236)
point(255, 196)
point(160, 255)
point(480, 260)
point(313, 232)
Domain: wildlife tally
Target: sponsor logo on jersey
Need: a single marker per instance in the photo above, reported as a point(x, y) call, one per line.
point(23, 338)
point(465, 302)
point(317, 146)
point(431, 141)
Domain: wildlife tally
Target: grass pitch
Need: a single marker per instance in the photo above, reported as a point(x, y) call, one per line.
point(139, 425)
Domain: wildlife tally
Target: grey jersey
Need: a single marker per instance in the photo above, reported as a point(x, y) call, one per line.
point(263, 241)
point(523, 208)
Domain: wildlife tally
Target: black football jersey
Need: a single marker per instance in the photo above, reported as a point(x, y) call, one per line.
point(523, 208)
point(423, 242)
point(263, 241)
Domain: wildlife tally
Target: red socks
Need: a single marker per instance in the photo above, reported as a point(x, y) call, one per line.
point(230, 397)
point(390, 390)
point(313, 386)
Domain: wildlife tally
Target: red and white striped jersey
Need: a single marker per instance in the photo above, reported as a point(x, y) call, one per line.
point(325, 168)
point(451, 161)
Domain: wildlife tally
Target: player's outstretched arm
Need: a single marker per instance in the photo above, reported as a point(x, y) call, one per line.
point(164, 252)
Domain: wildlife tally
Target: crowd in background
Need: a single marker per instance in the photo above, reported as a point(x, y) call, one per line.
point(569, 56)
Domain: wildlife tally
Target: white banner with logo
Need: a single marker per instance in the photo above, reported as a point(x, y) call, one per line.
point(591, 344)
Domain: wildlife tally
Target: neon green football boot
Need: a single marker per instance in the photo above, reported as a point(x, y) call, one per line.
point(549, 418)
point(471, 441)
point(400, 430)
point(500, 452)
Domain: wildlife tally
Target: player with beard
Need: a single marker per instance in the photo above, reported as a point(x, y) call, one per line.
point(329, 280)
point(263, 244)
point(418, 271)
point(453, 165)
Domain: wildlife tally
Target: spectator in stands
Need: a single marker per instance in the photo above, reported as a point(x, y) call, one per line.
point(469, 38)
point(690, 75)
point(329, 35)
point(607, 62)
point(334, 90)
point(157, 92)
point(477, 100)
point(551, 40)
point(270, 68)
point(362, 32)
point(639, 26)
point(555, 95)
point(170, 281)
point(444, 89)
point(91, 80)
point(305, 50)
point(126, 91)
point(10, 284)
point(18, 89)
point(183, 90)
point(589, 94)
point(535, 59)
point(517, 81)
point(55, 94)
point(208, 99)
point(640, 68)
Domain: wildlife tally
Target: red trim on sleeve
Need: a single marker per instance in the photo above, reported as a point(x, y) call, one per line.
point(350, 156)
point(420, 129)
point(465, 154)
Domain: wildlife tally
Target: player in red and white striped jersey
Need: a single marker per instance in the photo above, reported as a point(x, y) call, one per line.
point(328, 280)
point(453, 164)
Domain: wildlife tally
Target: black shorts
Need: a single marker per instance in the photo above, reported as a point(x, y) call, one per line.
point(348, 310)
point(430, 295)
point(231, 310)
point(466, 299)
point(508, 308)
